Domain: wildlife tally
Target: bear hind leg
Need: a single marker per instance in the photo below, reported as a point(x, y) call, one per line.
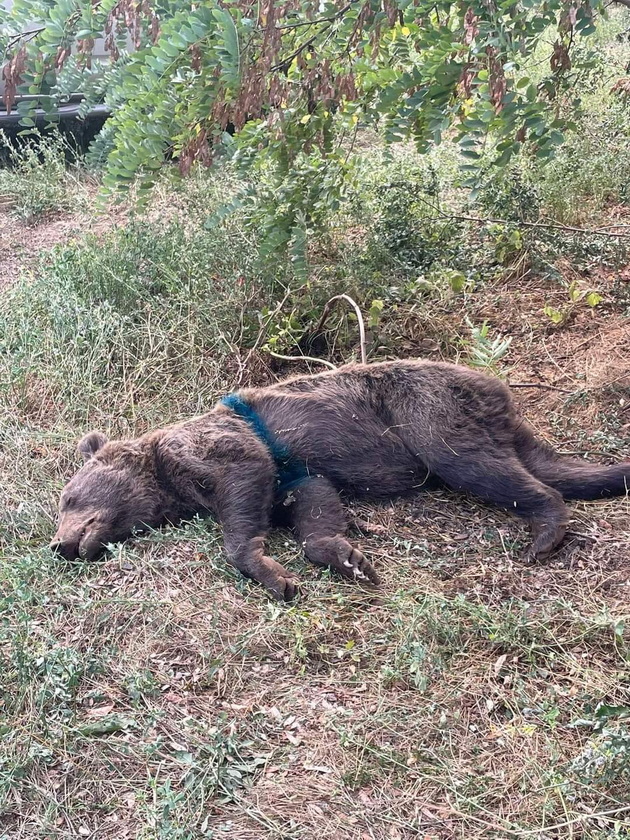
point(504, 481)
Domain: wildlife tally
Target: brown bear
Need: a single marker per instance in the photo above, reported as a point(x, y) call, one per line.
point(374, 431)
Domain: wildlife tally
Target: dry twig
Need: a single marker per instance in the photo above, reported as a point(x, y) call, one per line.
point(538, 385)
point(302, 359)
point(357, 310)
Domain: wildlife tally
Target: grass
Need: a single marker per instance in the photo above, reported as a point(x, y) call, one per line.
point(161, 697)
point(158, 695)
point(37, 180)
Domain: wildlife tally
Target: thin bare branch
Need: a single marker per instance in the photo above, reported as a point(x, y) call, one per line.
point(542, 225)
point(285, 62)
point(357, 310)
point(23, 37)
point(302, 359)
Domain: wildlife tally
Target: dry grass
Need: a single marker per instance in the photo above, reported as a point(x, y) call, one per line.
point(160, 696)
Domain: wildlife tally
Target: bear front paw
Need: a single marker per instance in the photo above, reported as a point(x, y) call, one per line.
point(282, 584)
point(339, 554)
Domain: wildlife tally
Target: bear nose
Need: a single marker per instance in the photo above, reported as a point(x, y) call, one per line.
point(67, 549)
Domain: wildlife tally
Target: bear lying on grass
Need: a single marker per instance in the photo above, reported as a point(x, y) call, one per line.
point(373, 431)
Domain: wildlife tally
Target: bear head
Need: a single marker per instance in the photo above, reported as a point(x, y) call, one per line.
point(114, 494)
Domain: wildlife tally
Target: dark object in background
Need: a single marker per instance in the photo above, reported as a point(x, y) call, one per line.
point(79, 131)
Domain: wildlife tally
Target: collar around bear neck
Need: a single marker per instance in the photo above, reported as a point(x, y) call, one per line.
point(290, 471)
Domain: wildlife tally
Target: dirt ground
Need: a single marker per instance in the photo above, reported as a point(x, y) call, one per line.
point(21, 244)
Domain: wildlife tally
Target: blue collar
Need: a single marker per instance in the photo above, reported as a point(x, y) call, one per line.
point(290, 471)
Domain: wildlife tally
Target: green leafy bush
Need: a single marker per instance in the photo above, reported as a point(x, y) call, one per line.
point(396, 199)
point(510, 195)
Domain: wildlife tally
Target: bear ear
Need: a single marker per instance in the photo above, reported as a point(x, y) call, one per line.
point(90, 444)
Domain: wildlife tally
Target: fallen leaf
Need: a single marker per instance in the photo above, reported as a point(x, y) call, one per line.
point(314, 768)
point(106, 725)
point(499, 664)
point(100, 711)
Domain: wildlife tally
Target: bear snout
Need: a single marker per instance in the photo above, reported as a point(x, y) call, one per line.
point(71, 535)
point(68, 549)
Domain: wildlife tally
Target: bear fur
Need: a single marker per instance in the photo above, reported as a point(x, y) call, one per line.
point(372, 431)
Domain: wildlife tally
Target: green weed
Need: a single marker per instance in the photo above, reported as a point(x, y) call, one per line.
point(38, 179)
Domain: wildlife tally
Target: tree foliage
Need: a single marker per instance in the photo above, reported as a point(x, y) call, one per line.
point(288, 82)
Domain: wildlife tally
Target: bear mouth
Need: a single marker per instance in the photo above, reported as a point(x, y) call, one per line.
point(84, 549)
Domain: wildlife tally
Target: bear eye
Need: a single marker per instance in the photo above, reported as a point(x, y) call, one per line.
point(69, 502)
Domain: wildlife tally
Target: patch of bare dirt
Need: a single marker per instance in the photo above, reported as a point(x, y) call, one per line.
point(21, 244)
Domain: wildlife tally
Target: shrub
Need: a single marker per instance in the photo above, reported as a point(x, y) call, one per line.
point(38, 180)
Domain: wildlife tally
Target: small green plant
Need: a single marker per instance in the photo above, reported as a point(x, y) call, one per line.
point(606, 757)
point(577, 296)
point(283, 334)
point(214, 762)
point(484, 351)
point(140, 684)
point(38, 180)
point(508, 243)
point(375, 313)
point(443, 283)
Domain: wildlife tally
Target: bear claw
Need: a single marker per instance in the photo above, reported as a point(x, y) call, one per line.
point(279, 581)
point(339, 554)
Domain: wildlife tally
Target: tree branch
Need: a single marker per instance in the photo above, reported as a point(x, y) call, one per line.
point(285, 62)
point(542, 225)
point(27, 36)
point(327, 19)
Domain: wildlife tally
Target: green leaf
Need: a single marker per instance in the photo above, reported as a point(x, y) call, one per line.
point(554, 315)
point(176, 40)
point(604, 710)
point(106, 726)
point(375, 313)
point(456, 280)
